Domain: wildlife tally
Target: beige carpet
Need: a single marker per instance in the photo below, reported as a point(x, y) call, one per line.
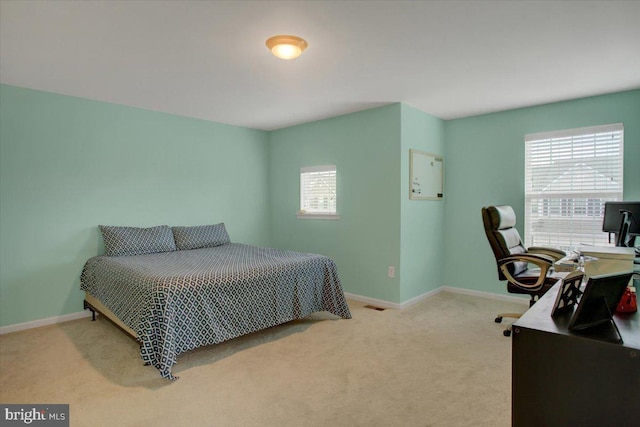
point(443, 362)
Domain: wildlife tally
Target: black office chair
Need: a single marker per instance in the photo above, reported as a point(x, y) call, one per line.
point(514, 260)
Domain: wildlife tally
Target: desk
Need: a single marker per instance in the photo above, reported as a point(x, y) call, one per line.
point(610, 259)
point(562, 379)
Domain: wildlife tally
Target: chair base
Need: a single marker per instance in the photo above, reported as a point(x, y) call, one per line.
point(498, 319)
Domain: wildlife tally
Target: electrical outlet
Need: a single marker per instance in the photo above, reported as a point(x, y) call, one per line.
point(391, 271)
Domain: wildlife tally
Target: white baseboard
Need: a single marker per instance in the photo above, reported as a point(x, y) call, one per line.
point(419, 298)
point(360, 298)
point(426, 295)
point(373, 301)
point(489, 295)
point(44, 322)
point(393, 305)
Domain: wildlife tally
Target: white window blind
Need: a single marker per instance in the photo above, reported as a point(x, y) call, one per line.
point(569, 175)
point(318, 190)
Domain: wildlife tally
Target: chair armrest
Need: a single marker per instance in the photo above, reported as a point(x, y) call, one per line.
point(556, 254)
point(543, 261)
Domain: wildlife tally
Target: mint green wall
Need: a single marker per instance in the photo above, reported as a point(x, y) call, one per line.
point(364, 147)
point(485, 166)
point(422, 221)
point(69, 164)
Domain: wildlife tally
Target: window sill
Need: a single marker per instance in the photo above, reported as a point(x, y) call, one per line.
point(318, 216)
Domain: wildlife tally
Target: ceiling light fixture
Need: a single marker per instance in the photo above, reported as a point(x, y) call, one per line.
point(286, 47)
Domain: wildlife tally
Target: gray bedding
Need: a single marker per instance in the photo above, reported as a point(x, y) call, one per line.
point(180, 300)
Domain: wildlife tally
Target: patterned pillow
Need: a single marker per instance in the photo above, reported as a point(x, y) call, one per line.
point(119, 241)
point(200, 236)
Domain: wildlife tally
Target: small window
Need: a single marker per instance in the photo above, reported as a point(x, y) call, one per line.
point(318, 192)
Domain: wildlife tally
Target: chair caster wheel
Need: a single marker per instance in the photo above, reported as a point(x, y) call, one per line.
point(506, 333)
point(498, 319)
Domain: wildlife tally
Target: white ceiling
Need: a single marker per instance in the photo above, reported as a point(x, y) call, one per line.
point(207, 59)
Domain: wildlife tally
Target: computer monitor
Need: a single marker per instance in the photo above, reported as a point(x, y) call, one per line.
point(614, 214)
point(599, 301)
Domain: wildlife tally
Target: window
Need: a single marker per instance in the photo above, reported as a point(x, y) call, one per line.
point(318, 192)
point(569, 175)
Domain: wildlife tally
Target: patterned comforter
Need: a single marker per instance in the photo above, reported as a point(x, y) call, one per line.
point(180, 300)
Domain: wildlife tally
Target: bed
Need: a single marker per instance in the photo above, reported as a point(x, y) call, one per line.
point(172, 301)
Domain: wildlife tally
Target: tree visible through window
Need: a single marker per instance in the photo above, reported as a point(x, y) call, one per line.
point(569, 175)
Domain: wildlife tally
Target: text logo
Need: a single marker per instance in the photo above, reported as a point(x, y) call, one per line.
point(39, 415)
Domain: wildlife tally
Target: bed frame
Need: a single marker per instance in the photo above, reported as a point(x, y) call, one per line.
point(95, 306)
